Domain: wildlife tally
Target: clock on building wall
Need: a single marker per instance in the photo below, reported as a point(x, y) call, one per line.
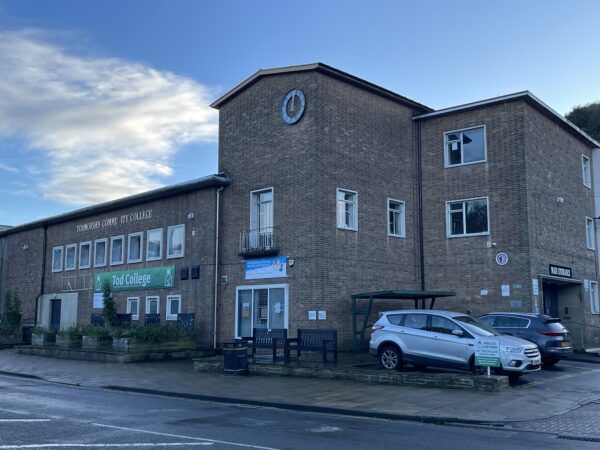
point(292, 106)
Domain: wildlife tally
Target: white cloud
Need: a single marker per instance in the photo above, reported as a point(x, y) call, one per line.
point(109, 127)
point(8, 168)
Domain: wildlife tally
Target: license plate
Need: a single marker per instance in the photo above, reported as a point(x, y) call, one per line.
point(536, 362)
point(566, 344)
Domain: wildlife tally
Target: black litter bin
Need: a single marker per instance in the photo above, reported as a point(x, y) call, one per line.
point(235, 357)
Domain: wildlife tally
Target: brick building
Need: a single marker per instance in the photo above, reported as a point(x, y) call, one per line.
point(330, 186)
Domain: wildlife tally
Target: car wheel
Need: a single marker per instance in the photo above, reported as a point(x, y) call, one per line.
point(475, 370)
point(549, 362)
point(390, 357)
point(514, 376)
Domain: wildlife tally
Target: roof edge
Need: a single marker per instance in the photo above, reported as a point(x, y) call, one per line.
point(522, 95)
point(155, 194)
point(323, 68)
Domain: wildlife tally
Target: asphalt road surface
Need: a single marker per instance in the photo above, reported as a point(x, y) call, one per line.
point(38, 415)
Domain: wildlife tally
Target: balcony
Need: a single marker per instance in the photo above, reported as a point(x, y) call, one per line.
point(257, 243)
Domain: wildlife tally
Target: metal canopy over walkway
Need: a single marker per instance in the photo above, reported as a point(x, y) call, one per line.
point(363, 303)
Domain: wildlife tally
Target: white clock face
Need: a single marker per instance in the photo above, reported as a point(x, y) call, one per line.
point(293, 106)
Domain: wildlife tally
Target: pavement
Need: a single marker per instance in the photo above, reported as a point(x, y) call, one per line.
point(543, 396)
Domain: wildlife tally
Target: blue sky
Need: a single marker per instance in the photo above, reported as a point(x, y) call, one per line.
point(105, 98)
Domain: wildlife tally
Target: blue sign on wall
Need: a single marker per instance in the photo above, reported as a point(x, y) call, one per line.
point(275, 267)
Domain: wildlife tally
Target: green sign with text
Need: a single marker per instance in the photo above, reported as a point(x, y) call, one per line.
point(134, 280)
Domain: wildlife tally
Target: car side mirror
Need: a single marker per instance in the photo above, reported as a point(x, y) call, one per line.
point(459, 333)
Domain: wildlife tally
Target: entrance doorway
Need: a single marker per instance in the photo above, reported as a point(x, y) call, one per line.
point(563, 299)
point(260, 307)
point(55, 305)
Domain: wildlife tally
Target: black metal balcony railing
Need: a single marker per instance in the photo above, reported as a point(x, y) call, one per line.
point(259, 242)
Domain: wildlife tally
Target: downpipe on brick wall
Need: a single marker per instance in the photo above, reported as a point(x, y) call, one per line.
point(216, 286)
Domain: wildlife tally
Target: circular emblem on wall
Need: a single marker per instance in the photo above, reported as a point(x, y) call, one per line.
point(292, 106)
point(501, 259)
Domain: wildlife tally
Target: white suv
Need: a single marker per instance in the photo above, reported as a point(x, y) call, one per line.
point(444, 339)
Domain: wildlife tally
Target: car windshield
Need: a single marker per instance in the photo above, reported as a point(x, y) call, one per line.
point(476, 326)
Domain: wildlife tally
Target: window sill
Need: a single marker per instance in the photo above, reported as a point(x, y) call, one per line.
point(347, 229)
point(450, 166)
point(401, 236)
point(487, 233)
point(175, 257)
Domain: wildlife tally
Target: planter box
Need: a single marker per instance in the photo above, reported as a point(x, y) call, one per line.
point(66, 341)
point(43, 339)
point(134, 345)
point(10, 339)
point(97, 342)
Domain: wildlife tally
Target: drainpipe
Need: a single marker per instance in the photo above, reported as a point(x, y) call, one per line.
point(420, 194)
point(43, 280)
point(216, 286)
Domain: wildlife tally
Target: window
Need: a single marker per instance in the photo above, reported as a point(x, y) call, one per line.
point(57, 259)
point(587, 173)
point(347, 209)
point(261, 210)
point(595, 305)
point(175, 241)
point(510, 322)
point(71, 257)
point(396, 319)
point(134, 247)
point(589, 233)
point(467, 217)
point(261, 306)
point(85, 255)
point(100, 252)
point(396, 218)
point(173, 306)
point(443, 325)
point(417, 321)
point(465, 146)
point(133, 307)
point(116, 250)
point(152, 305)
point(154, 245)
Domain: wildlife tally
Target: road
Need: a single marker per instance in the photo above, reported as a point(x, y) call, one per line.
point(37, 414)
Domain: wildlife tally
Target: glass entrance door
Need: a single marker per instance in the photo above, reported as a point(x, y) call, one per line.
point(260, 307)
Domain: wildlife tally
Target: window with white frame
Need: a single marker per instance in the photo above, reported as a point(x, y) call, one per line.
point(347, 209)
point(175, 241)
point(468, 217)
point(261, 210)
point(594, 304)
point(586, 171)
point(85, 255)
point(154, 240)
point(134, 247)
point(57, 259)
point(100, 249)
point(133, 307)
point(71, 257)
point(116, 250)
point(152, 305)
point(396, 218)
point(173, 306)
point(589, 233)
point(466, 146)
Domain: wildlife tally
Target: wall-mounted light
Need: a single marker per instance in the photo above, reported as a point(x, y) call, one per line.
point(560, 200)
point(25, 247)
point(190, 216)
point(291, 262)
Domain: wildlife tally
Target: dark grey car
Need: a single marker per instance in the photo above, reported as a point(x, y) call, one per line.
point(551, 337)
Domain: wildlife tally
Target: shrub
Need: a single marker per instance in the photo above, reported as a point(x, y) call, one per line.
point(155, 333)
point(6, 330)
point(72, 331)
point(12, 309)
point(95, 331)
point(110, 309)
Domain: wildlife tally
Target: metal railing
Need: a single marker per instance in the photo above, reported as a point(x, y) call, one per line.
point(260, 240)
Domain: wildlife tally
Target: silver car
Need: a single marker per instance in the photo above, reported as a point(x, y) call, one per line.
point(444, 339)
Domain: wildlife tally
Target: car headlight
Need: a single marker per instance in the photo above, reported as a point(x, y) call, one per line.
point(508, 349)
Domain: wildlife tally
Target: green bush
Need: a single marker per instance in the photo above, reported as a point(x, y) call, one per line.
point(72, 331)
point(39, 330)
point(110, 309)
point(95, 331)
point(7, 330)
point(155, 333)
point(12, 309)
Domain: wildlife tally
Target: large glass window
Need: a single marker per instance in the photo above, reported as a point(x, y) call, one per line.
point(173, 306)
point(261, 307)
point(396, 218)
point(134, 247)
point(71, 257)
point(467, 217)
point(465, 146)
point(154, 244)
point(85, 255)
point(589, 233)
point(116, 250)
point(347, 209)
point(595, 304)
point(175, 241)
point(100, 252)
point(443, 325)
point(133, 307)
point(586, 171)
point(57, 259)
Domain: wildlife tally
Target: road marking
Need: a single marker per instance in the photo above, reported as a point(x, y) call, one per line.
point(183, 436)
point(136, 444)
point(563, 377)
point(25, 420)
point(15, 412)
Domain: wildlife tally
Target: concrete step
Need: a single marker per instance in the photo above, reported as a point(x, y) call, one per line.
point(595, 351)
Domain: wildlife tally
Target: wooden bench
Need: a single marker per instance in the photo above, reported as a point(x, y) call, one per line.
point(264, 338)
point(324, 341)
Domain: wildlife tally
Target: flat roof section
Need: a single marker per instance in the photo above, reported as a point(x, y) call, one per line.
point(155, 194)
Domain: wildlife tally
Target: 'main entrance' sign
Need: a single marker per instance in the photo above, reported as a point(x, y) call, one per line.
point(560, 271)
point(134, 280)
